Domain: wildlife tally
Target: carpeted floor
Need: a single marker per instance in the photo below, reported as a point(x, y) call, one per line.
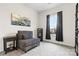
point(45, 49)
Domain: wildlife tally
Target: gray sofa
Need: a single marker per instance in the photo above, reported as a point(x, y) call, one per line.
point(26, 40)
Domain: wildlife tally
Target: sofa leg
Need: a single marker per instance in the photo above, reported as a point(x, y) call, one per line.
point(25, 51)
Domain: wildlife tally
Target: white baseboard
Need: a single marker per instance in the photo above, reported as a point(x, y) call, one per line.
point(61, 43)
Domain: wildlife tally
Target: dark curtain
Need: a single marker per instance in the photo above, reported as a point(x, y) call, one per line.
point(76, 29)
point(59, 30)
point(48, 27)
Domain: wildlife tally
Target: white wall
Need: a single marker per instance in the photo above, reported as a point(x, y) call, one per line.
point(5, 20)
point(68, 22)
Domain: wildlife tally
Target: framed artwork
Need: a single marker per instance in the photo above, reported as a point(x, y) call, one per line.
point(19, 20)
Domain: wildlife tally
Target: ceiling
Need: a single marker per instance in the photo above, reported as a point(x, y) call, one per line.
point(42, 6)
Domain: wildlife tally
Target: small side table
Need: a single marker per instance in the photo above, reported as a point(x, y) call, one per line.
point(9, 39)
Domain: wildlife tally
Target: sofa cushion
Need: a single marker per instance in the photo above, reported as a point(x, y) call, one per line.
point(25, 34)
point(28, 42)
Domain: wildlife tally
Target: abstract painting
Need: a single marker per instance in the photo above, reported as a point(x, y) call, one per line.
point(19, 20)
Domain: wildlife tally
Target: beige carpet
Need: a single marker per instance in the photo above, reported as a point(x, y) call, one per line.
point(45, 49)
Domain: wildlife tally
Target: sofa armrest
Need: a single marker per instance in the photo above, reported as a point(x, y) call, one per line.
point(37, 39)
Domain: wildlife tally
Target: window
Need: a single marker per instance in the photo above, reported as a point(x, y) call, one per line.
point(53, 23)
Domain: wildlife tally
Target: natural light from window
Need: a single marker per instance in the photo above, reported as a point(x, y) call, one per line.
point(53, 23)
